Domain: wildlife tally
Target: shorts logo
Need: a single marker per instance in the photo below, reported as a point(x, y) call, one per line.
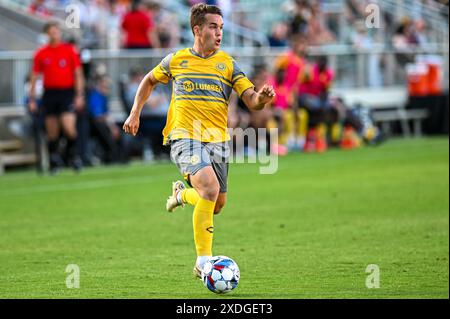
point(221, 66)
point(195, 159)
point(188, 86)
point(210, 229)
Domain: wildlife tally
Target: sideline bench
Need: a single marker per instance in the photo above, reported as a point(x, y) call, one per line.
point(388, 105)
point(11, 153)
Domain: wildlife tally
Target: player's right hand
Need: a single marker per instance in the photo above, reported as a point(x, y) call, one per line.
point(131, 125)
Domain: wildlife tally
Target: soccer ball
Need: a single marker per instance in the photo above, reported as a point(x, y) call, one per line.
point(220, 274)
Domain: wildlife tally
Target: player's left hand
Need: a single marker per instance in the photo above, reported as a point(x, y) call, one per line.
point(266, 94)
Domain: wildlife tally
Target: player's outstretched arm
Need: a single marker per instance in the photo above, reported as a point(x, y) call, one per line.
point(145, 88)
point(257, 100)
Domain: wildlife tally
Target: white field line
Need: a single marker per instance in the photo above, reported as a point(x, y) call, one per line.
point(102, 183)
point(96, 184)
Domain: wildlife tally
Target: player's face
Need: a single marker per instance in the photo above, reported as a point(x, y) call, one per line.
point(211, 32)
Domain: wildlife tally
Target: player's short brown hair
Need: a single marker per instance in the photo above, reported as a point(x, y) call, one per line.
point(199, 11)
point(49, 25)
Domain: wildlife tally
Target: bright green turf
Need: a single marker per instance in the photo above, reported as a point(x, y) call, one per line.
point(308, 231)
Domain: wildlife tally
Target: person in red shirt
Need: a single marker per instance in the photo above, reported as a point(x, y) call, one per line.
point(38, 7)
point(140, 33)
point(313, 96)
point(60, 66)
point(293, 63)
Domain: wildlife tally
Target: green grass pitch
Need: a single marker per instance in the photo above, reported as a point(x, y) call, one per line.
point(308, 231)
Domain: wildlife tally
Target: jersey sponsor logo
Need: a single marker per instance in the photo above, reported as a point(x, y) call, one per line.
point(188, 86)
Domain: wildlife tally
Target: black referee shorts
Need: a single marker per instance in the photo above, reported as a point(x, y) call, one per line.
point(58, 101)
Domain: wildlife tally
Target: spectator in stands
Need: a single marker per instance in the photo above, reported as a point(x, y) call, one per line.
point(60, 66)
point(139, 29)
point(98, 13)
point(300, 16)
point(260, 119)
point(166, 24)
point(241, 118)
point(420, 33)
point(318, 31)
point(364, 42)
point(278, 37)
point(316, 81)
point(282, 109)
point(402, 41)
point(39, 8)
point(153, 116)
point(405, 36)
point(103, 127)
point(294, 63)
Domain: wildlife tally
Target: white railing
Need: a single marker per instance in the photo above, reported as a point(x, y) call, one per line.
point(354, 69)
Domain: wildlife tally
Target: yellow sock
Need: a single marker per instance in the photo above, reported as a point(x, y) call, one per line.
point(302, 123)
point(288, 126)
point(271, 123)
point(336, 132)
point(321, 130)
point(190, 196)
point(203, 226)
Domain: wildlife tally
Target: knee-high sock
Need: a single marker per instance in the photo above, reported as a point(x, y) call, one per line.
point(302, 123)
point(71, 147)
point(52, 146)
point(190, 196)
point(202, 220)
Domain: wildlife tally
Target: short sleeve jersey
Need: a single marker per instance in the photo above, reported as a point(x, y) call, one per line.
point(201, 92)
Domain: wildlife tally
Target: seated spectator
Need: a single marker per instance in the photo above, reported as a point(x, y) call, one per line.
point(139, 29)
point(260, 119)
point(103, 127)
point(282, 112)
point(313, 95)
point(153, 115)
point(278, 38)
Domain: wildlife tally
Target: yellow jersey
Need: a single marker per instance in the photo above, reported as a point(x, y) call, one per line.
point(201, 92)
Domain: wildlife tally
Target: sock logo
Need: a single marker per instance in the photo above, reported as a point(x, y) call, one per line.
point(210, 229)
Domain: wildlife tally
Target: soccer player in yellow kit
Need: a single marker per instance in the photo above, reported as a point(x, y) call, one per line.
point(196, 129)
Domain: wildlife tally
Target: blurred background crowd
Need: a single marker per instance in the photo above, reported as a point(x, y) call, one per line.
point(319, 55)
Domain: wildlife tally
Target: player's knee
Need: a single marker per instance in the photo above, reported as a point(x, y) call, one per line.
point(206, 184)
point(211, 192)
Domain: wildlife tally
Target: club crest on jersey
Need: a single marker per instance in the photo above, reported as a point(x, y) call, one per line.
point(62, 63)
point(221, 66)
